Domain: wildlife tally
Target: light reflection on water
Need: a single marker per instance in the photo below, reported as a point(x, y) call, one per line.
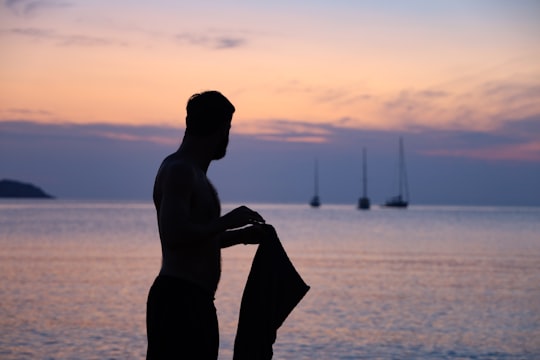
point(424, 283)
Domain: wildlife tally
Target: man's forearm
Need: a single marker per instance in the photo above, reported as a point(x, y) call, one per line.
point(233, 237)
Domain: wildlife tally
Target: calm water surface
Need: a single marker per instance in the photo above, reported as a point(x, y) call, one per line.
point(421, 283)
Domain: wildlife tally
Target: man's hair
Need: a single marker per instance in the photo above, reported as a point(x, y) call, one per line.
point(207, 112)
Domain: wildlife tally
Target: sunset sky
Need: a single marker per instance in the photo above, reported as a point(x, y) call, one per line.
point(460, 77)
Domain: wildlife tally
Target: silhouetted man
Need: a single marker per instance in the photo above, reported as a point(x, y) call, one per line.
point(181, 317)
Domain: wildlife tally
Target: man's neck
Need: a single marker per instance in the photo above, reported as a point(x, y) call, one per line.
point(196, 151)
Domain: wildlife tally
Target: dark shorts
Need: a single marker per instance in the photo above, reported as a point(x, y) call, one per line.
point(181, 321)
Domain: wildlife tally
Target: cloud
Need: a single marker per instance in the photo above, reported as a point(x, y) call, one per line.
point(410, 101)
point(433, 93)
point(481, 106)
point(90, 41)
point(215, 42)
point(120, 161)
point(519, 152)
point(40, 34)
point(511, 97)
point(161, 136)
point(293, 131)
point(228, 42)
point(27, 112)
point(158, 139)
point(33, 7)
point(341, 97)
point(32, 33)
point(338, 96)
point(515, 140)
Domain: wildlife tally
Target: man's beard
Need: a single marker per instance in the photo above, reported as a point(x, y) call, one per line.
point(222, 150)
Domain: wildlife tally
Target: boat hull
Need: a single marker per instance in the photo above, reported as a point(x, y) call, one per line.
point(364, 203)
point(315, 202)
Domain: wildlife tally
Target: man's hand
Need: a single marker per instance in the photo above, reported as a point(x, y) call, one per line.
point(242, 216)
point(255, 234)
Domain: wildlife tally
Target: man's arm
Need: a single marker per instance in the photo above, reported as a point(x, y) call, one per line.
point(248, 235)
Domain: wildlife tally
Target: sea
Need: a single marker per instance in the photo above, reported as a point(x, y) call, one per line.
point(427, 282)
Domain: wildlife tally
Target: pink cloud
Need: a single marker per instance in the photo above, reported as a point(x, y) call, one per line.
point(160, 140)
point(529, 151)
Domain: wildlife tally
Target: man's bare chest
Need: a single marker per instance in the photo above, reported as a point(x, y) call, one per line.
point(205, 202)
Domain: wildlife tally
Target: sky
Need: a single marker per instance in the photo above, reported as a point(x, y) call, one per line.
point(93, 94)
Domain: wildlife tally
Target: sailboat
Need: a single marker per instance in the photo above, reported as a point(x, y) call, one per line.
point(402, 199)
point(315, 201)
point(363, 202)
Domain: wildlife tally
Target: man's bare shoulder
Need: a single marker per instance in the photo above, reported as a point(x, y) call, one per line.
point(177, 170)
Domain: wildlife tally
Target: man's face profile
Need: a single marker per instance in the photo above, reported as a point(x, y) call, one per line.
point(221, 149)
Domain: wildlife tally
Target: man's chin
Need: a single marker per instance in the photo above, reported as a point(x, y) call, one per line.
point(220, 156)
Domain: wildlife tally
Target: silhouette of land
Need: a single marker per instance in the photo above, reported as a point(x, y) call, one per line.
point(17, 189)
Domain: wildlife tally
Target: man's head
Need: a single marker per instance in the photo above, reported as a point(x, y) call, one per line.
point(207, 113)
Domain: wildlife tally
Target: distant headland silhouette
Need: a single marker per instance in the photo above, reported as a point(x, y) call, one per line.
point(17, 189)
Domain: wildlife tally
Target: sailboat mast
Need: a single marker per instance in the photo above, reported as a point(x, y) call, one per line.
point(403, 185)
point(316, 178)
point(402, 199)
point(363, 202)
point(315, 202)
point(364, 173)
